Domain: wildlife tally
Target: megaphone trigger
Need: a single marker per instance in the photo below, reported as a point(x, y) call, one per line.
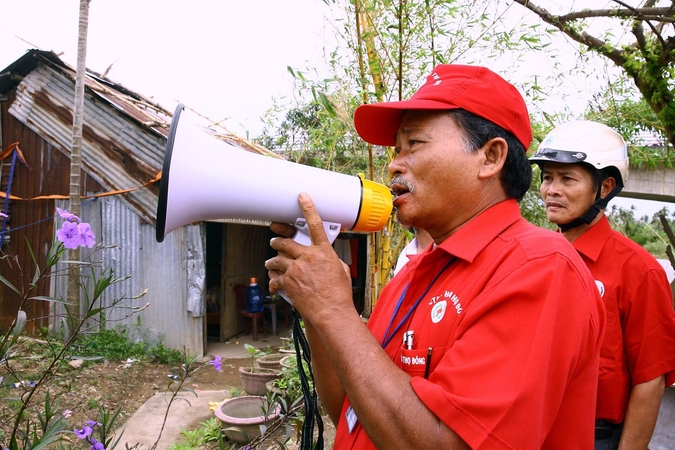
point(302, 235)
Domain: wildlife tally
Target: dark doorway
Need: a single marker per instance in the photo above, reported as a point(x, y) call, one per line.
point(214, 299)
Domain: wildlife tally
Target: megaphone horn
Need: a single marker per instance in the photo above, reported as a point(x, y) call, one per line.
point(206, 178)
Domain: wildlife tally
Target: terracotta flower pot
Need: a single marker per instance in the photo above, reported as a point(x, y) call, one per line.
point(271, 361)
point(289, 362)
point(253, 380)
point(243, 416)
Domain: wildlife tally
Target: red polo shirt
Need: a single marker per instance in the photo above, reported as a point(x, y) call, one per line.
point(639, 342)
point(513, 323)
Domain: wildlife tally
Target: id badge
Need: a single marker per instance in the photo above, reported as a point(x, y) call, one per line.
point(352, 420)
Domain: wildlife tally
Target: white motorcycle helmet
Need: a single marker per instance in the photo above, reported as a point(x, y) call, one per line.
point(590, 143)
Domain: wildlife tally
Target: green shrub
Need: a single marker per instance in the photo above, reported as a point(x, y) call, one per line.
point(114, 344)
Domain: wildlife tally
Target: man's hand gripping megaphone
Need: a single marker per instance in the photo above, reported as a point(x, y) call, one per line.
point(310, 276)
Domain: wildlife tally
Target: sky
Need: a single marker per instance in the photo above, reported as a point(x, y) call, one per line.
point(226, 59)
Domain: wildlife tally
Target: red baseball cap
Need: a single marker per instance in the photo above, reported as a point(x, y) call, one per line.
point(450, 86)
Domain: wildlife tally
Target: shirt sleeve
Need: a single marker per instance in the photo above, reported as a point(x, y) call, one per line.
point(648, 322)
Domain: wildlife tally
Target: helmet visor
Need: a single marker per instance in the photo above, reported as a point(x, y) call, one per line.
point(560, 156)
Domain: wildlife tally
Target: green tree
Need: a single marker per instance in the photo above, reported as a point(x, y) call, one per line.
point(645, 231)
point(649, 60)
point(618, 108)
point(314, 134)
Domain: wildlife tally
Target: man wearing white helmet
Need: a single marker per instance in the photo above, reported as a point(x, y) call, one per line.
point(583, 166)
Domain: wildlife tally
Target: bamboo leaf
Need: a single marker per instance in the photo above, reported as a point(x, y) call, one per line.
point(54, 254)
point(9, 285)
point(45, 298)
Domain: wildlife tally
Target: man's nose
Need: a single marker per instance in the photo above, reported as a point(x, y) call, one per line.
point(552, 188)
point(396, 165)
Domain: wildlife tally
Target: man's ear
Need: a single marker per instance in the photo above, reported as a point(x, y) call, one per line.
point(607, 185)
point(494, 151)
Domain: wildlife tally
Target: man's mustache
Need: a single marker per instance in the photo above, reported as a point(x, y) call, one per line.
point(399, 180)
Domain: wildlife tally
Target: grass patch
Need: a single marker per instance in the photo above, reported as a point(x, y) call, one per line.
point(116, 345)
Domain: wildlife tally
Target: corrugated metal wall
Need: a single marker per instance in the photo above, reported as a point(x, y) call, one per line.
point(119, 152)
point(166, 276)
point(130, 249)
point(121, 234)
point(30, 221)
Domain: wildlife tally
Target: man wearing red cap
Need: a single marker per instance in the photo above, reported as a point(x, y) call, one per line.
point(488, 339)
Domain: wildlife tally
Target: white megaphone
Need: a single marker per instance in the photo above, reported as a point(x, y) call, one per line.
point(205, 178)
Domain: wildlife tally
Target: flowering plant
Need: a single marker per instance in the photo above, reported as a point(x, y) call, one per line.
point(20, 428)
point(85, 433)
point(74, 233)
point(28, 425)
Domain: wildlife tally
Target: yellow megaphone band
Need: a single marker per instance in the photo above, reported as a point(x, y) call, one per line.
point(376, 206)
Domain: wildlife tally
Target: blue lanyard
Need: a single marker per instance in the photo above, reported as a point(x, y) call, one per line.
point(387, 337)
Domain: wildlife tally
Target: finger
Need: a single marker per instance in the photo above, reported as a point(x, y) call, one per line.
point(283, 229)
point(286, 247)
point(275, 280)
point(314, 223)
point(277, 264)
point(275, 269)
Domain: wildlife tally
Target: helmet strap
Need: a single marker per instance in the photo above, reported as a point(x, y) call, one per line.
point(592, 212)
point(602, 202)
point(588, 217)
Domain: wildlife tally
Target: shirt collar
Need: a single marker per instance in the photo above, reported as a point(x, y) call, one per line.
point(469, 240)
point(590, 243)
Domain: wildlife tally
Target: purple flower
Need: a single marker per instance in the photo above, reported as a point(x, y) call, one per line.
point(83, 433)
point(65, 215)
point(74, 233)
point(69, 235)
point(92, 423)
point(95, 445)
point(87, 236)
point(217, 363)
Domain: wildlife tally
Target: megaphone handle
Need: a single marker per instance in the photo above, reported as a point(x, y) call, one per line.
point(302, 237)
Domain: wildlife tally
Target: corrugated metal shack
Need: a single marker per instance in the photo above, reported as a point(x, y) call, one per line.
point(124, 137)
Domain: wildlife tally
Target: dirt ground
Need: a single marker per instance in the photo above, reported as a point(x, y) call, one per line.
point(78, 392)
point(114, 386)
